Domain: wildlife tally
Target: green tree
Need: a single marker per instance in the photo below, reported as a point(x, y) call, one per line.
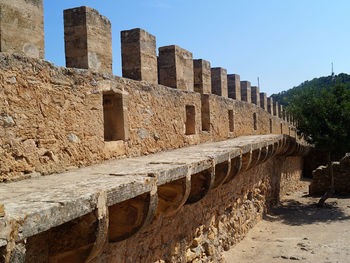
point(323, 119)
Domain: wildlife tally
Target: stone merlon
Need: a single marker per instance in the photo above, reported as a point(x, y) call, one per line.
point(202, 76)
point(176, 68)
point(88, 39)
point(219, 82)
point(234, 86)
point(139, 55)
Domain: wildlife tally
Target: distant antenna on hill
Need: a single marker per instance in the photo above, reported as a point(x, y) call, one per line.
point(332, 69)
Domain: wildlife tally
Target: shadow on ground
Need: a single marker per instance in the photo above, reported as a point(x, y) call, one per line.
point(295, 213)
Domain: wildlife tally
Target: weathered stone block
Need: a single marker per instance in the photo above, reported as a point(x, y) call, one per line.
point(219, 82)
point(88, 39)
point(202, 76)
point(139, 55)
point(270, 105)
point(246, 91)
point(263, 100)
point(280, 111)
point(255, 95)
point(275, 108)
point(176, 68)
point(234, 86)
point(22, 27)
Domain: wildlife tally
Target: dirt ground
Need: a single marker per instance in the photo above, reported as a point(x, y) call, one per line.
point(297, 230)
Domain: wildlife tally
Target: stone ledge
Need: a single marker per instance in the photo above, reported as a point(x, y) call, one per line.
point(39, 204)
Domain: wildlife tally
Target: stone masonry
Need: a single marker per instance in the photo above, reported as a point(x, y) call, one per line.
point(176, 68)
point(202, 76)
point(234, 86)
point(219, 82)
point(189, 170)
point(139, 55)
point(270, 105)
point(255, 95)
point(22, 27)
point(280, 111)
point(275, 108)
point(263, 100)
point(246, 92)
point(88, 39)
point(321, 180)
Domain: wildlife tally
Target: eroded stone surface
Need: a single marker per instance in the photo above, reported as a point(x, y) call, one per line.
point(176, 68)
point(263, 100)
point(234, 86)
point(58, 101)
point(246, 91)
point(255, 95)
point(22, 27)
point(139, 55)
point(88, 39)
point(321, 179)
point(202, 76)
point(219, 82)
point(270, 105)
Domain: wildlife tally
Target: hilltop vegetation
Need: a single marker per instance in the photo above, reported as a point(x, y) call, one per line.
point(321, 108)
point(316, 85)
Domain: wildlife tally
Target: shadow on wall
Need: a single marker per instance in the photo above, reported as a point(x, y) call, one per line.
point(294, 213)
point(313, 160)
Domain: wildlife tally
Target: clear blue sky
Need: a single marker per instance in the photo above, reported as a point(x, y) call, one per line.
point(284, 42)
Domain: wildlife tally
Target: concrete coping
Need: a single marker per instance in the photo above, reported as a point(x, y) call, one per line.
point(38, 204)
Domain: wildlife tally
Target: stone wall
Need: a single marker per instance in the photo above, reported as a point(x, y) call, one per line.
point(199, 232)
point(321, 179)
point(52, 118)
point(22, 27)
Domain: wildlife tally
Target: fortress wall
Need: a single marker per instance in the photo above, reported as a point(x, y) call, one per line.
point(52, 118)
point(200, 231)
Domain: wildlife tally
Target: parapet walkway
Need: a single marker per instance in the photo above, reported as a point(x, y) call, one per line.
point(152, 185)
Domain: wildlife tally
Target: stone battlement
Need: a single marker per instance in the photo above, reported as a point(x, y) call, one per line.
point(128, 158)
point(53, 118)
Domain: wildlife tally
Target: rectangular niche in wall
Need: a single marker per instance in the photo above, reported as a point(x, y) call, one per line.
point(190, 120)
point(205, 112)
point(231, 120)
point(281, 128)
point(255, 122)
point(114, 117)
point(270, 125)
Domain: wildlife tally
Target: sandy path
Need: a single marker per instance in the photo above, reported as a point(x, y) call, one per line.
point(298, 231)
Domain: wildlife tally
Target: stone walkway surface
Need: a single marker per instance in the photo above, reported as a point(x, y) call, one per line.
point(298, 231)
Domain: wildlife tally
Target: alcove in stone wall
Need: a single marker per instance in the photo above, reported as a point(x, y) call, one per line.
point(231, 120)
point(190, 120)
point(255, 122)
point(113, 116)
